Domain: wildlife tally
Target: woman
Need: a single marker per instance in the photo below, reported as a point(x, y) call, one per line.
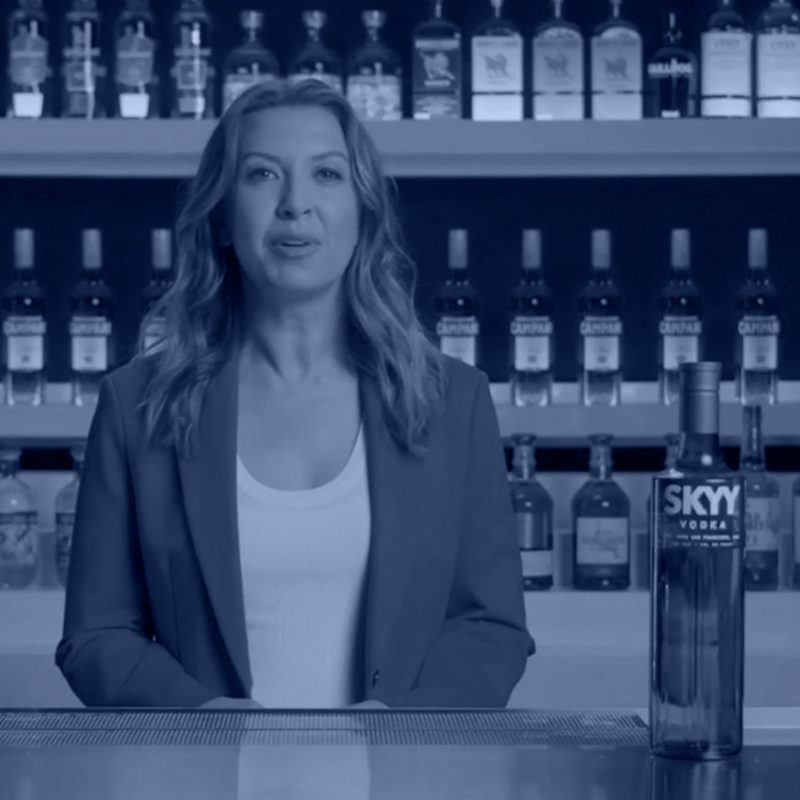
point(295, 500)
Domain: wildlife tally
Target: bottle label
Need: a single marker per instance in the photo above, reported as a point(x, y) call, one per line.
point(28, 58)
point(601, 540)
point(18, 547)
point(458, 337)
point(334, 81)
point(375, 97)
point(759, 342)
point(796, 522)
point(699, 512)
point(135, 55)
point(778, 64)
point(82, 65)
point(726, 67)
point(762, 523)
point(497, 63)
point(601, 343)
point(617, 62)
point(532, 338)
point(239, 82)
point(25, 337)
point(192, 72)
point(437, 66)
point(537, 563)
point(89, 343)
point(680, 340)
point(558, 62)
point(65, 522)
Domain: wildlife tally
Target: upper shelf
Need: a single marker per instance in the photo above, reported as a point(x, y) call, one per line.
point(165, 148)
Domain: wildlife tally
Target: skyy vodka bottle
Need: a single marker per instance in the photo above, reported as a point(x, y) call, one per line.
point(697, 593)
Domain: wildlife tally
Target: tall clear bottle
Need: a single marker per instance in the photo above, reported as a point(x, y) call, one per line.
point(697, 594)
point(726, 68)
point(757, 342)
point(531, 329)
point(193, 68)
point(533, 513)
point(249, 63)
point(601, 512)
point(93, 350)
point(680, 326)
point(315, 59)
point(778, 60)
point(160, 282)
point(19, 546)
point(600, 341)
point(762, 520)
point(136, 72)
point(374, 74)
point(456, 304)
point(83, 67)
point(497, 83)
point(437, 79)
point(673, 76)
point(558, 81)
point(616, 68)
point(30, 71)
point(24, 328)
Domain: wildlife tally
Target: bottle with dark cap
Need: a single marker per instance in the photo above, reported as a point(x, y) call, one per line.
point(697, 591)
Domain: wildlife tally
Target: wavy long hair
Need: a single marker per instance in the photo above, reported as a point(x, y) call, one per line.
point(202, 311)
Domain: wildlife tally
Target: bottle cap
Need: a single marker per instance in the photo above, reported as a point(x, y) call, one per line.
point(681, 253)
point(601, 249)
point(757, 248)
point(162, 248)
point(457, 249)
point(315, 19)
point(92, 249)
point(251, 20)
point(23, 248)
point(523, 438)
point(531, 249)
point(600, 439)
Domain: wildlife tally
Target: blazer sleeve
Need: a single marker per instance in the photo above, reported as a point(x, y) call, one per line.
point(482, 647)
point(107, 652)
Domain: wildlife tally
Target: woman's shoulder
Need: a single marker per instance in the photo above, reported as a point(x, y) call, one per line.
point(464, 380)
point(129, 380)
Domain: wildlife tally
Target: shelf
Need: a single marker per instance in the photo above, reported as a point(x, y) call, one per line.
point(164, 148)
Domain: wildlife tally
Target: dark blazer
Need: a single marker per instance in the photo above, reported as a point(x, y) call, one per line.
point(154, 610)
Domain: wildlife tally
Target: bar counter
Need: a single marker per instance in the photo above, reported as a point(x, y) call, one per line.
point(370, 754)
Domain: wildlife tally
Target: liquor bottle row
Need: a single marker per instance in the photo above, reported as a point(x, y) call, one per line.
point(531, 330)
point(601, 537)
point(739, 73)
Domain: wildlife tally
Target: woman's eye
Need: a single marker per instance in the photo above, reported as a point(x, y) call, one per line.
point(260, 172)
point(326, 173)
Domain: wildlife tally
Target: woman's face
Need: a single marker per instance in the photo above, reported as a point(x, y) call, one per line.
point(292, 212)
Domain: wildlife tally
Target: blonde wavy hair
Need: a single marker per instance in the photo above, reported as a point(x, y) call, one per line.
point(201, 311)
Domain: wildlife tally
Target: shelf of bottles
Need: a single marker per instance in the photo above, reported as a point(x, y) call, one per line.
point(579, 79)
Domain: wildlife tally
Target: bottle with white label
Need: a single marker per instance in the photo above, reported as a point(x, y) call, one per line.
point(778, 61)
point(65, 504)
point(193, 70)
point(374, 74)
point(135, 74)
point(19, 544)
point(600, 330)
point(762, 507)
point(726, 64)
point(24, 328)
point(533, 514)
point(90, 326)
point(456, 303)
point(531, 329)
point(30, 72)
point(796, 532)
point(758, 331)
point(680, 326)
point(250, 63)
point(315, 59)
point(497, 83)
point(558, 81)
point(601, 513)
point(616, 68)
point(83, 66)
point(160, 282)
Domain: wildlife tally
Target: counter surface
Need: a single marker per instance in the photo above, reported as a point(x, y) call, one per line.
point(464, 754)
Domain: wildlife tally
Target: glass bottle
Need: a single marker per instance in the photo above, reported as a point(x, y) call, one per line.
point(66, 502)
point(726, 70)
point(90, 327)
point(456, 303)
point(601, 512)
point(436, 73)
point(616, 68)
point(497, 83)
point(697, 594)
point(762, 508)
point(83, 65)
point(758, 329)
point(136, 74)
point(19, 549)
point(193, 70)
point(672, 75)
point(160, 282)
point(796, 531)
point(600, 341)
point(249, 63)
point(778, 60)
point(24, 328)
point(531, 328)
point(533, 513)
point(315, 59)
point(30, 72)
point(374, 74)
point(680, 326)
point(558, 81)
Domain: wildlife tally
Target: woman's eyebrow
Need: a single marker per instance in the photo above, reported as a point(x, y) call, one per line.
point(277, 160)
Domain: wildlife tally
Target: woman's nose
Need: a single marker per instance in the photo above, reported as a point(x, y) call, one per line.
point(295, 198)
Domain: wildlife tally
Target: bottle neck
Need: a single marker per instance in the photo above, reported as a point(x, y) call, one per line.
point(699, 450)
point(752, 455)
point(524, 463)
